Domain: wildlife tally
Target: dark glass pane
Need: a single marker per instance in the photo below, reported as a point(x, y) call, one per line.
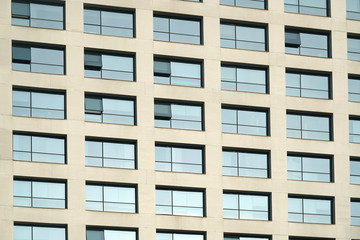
point(162, 67)
point(21, 53)
point(95, 235)
point(20, 9)
point(93, 104)
point(93, 60)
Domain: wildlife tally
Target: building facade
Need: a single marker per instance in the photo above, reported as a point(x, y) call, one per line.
point(174, 119)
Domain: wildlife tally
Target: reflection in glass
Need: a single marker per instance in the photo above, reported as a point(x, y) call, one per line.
point(310, 210)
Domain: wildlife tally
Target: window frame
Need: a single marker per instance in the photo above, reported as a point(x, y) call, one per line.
point(113, 140)
point(173, 232)
point(112, 9)
point(185, 17)
point(101, 53)
point(295, 30)
point(41, 225)
point(312, 114)
point(183, 146)
point(247, 235)
point(102, 96)
point(171, 59)
point(182, 189)
point(328, 9)
point(354, 78)
point(354, 134)
point(37, 45)
point(314, 197)
point(255, 25)
point(312, 155)
point(42, 2)
point(104, 228)
point(42, 180)
point(309, 238)
point(250, 193)
point(313, 73)
point(46, 135)
point(355, 159)
point(39, 90)
point(251, 67)
point(161, 101)
point(248, 150)
point(265, 5)
point(354, 200)
point(248, 109)
point(356, 37)
point(117, 185)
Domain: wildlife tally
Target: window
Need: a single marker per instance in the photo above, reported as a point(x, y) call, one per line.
point(260, 4)
point(353, 9)
point(355, 212)
point(180, 202)
point(354, 170)
point(246, 163)
point(33, 232)
point(243, 36)
point(106, 153)
point(40, 59)
point(307, 84)
point(244, 78)
point(354, 129)
point(111, 198)
point(307, 43)
point(109, 109)
point(109, 66)
point(38, 14)
point(252, 206)
point(309, 168)
point(41, 194)
point(179, 158)
point(167, 235)
point(177, 29)
point(38, 103)
point(99, 233)
point(39, 148)
point(178, 72)
point(232, 236)
point(306, 126)
point(354, 89)
point(310, 210)
point(309, 238)
point(178, 115)
point(319, 7)
point(111, 22)
point(245, 121)
point(353, 43)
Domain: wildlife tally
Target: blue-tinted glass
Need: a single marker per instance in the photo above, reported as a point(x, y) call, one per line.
point(117, 234)
point(354, 172)
point(95, 235)
point(22, 232)
point(44, 233)
point(354, 90)
point(353, 9)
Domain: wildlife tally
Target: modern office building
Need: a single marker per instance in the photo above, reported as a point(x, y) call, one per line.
point(174, 119)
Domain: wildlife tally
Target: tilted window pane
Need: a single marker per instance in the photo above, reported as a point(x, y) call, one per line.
point(104, 22)
point(109, 154)
point(307, 7)
point(178, 159)
point(110, 198)
point(244, 122)
point(307, 85)
point(109, 110)
point(353, 48)
point(38, 15)
point(243, 37)
point(355, 213)
point(28, 232)
point(354, 171)
point(311, 44)
point(246, 164)
point(310, 210)
point(38, 148)
point(177, 30)
point(39, 194)
point(260, 4)
point(243, 79)
point(353, 9)
point(38, 104)
point(38, 59)
point(179, 202)
point(308, 127)
point(106, 66)
point(180, 116)
point(246, 206)
point(354, 130)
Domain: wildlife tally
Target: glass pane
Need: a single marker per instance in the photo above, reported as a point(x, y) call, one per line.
point(94, 235)
point(46, 12)
point(315, 123)
point(253, 160)
point(163, 197)
point(22, 188)
point(227, 32)
point(21, 98)
point(161, 24)
point(119, 194)
point(228, 74)
point(188, 199)
point(252, 202)
point(251, 118)
point(48, 190)
point(186, 27)
point(47, 100)
point(48, 145)
point(119, 150)
point(295, 205)
point(229, 159)
point(94, 193)
point(21, 142)
point(93, 148)
point(116, 19)
point(254, 76)
point(316, 206)
point(47, 56)
point(186, 70)
point(319, 165)
point(187, 155)
point(22, 233)
point(294, 163)
point(91, 17)
point(186, 112)
point(117, 234)
point(250, 34)
point(117, 63)
point(46, 233)
point(121, 107)
point(230, 201)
